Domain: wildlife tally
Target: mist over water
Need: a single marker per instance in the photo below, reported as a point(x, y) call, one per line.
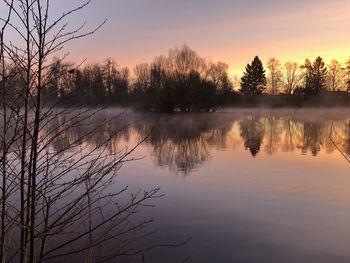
point(246, 185)
point(147, 162)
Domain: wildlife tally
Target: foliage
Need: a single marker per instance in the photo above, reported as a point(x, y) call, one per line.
point(183, 81)
point(253, 81)
point(315, 76)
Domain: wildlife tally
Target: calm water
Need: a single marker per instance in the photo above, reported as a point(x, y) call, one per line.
point(246, 186)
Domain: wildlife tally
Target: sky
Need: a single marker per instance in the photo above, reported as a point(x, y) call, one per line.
point(232, 31)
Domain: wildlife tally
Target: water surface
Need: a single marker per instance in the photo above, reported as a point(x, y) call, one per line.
point(246, 186)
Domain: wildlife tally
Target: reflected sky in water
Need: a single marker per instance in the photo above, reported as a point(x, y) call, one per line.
point(247, 186)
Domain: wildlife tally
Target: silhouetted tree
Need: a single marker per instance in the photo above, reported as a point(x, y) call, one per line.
point(335, 75)
point(253, 81)
point(275, 75)
point(140, 85)
point(306, 74)
point(184, 81)
point(94, 90)
point(316, 77)
point(116, 82)
point(51, 91)
point(347, 72)
point(291, 77)
point(142, 73)
point(58, 205)
point(218, 74)
point(202, 93)
point(181, 81)
point(160, 95)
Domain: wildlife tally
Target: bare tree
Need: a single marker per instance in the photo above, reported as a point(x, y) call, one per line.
point(291, 76)
point(275, 75)
point(142, 76)
point(335, 75)
point(183, 60)
point(5, 141)
point(347, 73)
point(51, 197)
point(217, 73)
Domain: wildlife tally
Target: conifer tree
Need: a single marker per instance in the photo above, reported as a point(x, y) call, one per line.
point(254, 81)
point(317, 77)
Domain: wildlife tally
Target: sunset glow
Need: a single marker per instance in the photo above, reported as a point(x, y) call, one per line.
point(175, 131)
point(229, 31)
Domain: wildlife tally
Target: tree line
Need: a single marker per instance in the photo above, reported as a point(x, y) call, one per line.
point(184, 81)
point(310, 78)
point(181, 81)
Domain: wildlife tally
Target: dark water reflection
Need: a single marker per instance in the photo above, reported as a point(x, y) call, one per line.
point(254, 186)
point(185, 142)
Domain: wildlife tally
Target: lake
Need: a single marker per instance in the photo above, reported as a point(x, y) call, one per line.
point(244, 185)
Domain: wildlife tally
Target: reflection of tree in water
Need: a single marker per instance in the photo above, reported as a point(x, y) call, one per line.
point(291, 134)
point(85, 212)
point(347, 140)
point(313, 139)
point(183, 142)
point(74, 132)
point(252, 131)
point(272, 134)
point(180, 142)
point(287, 133)
point(182, 155)
point(340, 135)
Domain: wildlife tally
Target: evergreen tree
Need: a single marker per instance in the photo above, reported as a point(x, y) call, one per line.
point(253, 81)
point(316, 79)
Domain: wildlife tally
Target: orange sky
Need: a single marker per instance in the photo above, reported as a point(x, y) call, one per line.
point(229, 31)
